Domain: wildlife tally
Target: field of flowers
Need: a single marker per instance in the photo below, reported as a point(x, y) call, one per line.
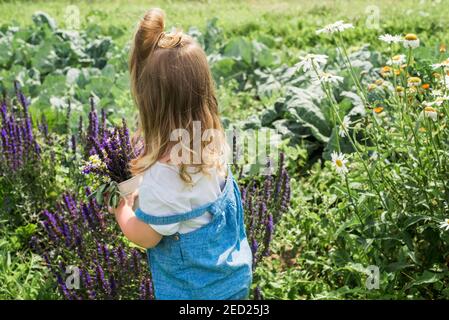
point(357, 206)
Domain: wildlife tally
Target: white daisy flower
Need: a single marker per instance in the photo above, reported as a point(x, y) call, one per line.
point(326, 77)
point(440, 100)
point(344, 127)
point(413, 82)
point(397, 60)
point(400, 91)
point(437, 93)
point(445, 225)
point(386, 71)
point(443, 64)
point(339, 161)
point(338, 26)
point(431, 113)
point(388, 38)
point(445, 82)
point(411, 41)
point(311, 61)
point(387, 85)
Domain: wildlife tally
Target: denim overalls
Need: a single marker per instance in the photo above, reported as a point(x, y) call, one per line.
point(211, 262)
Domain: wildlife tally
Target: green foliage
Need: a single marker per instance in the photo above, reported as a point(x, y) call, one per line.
point(22, 273)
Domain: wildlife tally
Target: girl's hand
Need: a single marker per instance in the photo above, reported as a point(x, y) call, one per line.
point(127, 201)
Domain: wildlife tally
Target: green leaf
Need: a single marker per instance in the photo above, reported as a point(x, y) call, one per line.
point(427, 277)
point(5, 49)
point(41, 18)
point(239, 48)
point(223, 68)
point(414, 220)
point(302, 108)
point(397, 266)
point(262, 54)
point(115, 200)
point(99, 197)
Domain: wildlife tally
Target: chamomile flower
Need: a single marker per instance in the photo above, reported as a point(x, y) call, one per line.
point(386, 71)
point(431, 112)
point(397, 60)
point(379, 82)
point(388, 38)
point(440, 100)
point(387, 85)
point(400, 91)
point(326, 77)
point(445, 225)
point(411, 41)
point(339, 161)
point(344, 127)
point(338, 26)
point(312, 61)
point(413, 82)
point(443, 64)
point(445, 82)
point(412, 90)
point(437, 93)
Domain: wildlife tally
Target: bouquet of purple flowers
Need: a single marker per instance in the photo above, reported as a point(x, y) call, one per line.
point(109, 154)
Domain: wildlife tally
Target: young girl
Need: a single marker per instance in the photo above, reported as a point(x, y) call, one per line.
point(190, 215)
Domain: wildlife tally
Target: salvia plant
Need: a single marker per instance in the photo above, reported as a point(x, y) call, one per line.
point(87, 256)
point(109, 154)
point(18, 144)
point(264, 203)
point(25, 175)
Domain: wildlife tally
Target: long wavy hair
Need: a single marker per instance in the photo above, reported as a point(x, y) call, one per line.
point(172, 87)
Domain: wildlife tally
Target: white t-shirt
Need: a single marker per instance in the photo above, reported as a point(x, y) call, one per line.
point(163, 193)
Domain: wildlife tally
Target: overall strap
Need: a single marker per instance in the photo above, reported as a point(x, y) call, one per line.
point(156, 220)
point(212, 208)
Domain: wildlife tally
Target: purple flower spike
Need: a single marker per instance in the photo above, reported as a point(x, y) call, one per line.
point(257, 294)
point(18, 145)
point(268, 235)
point(101, 279)
point(150, 289)
point(143, 290)
point(73, 141)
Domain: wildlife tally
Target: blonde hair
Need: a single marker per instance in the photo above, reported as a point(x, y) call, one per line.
point(172, 87)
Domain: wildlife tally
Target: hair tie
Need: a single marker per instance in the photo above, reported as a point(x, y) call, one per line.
point(169, 40)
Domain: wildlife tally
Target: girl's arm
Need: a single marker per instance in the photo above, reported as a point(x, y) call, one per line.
point(134, 229)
